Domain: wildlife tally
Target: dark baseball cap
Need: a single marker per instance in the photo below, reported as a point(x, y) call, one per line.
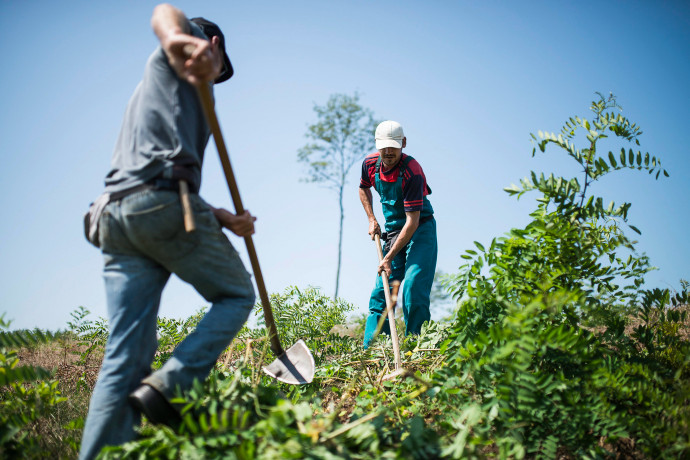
point(210, 29)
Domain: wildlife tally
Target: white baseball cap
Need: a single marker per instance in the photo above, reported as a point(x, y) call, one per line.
point(389, 134)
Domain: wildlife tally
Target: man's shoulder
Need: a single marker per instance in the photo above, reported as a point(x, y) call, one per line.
point(412, 164)
point(372, 158)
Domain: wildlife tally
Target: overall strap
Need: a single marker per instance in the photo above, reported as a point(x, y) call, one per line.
point(403, 167)
point(404, 163)
point(376, 175)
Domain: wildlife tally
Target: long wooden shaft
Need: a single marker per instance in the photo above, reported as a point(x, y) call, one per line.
point(390, 307)
point(212, 119)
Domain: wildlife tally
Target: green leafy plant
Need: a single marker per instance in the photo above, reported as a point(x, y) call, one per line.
point(541, 384)
point(307, 314)
point(171, 332)
point(91, 335)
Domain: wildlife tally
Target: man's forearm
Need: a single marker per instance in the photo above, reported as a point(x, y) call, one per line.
point(366, 199)
point(403, 238)
point(411, 225)
point(167, 20)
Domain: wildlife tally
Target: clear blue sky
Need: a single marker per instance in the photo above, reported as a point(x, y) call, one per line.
point(468, 80)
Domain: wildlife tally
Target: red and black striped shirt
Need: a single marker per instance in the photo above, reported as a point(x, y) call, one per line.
point(413, 182)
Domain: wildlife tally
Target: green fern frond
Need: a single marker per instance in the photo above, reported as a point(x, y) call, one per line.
point(20, 374)
point(24, 338)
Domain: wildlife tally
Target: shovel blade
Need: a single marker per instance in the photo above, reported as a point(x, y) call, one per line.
point(295, 366)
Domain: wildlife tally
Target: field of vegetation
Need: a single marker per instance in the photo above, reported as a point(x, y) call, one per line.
point(556, 350)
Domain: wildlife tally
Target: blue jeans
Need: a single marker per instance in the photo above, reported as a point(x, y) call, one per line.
point(143, 241)
point(416, 265)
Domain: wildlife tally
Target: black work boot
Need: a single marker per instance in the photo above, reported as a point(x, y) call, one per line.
point(154, 406)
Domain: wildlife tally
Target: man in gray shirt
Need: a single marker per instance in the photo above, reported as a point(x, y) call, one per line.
point(143, 239)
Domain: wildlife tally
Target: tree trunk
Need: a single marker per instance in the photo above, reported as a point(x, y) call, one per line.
point(340, 242)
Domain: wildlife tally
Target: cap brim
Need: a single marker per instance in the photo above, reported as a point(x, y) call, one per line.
point(228, 71)
point(383, 143)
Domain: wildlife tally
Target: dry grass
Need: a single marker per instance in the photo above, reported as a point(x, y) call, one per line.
point(59, 433)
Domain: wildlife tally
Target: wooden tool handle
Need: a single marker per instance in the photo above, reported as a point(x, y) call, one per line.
point(210, 113)
point(187, 213)
point(395, 287)
point(390, 306)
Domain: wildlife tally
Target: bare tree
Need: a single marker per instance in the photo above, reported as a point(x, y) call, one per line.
point(342, 136)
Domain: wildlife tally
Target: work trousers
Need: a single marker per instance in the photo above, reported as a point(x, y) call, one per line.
point(416, 265)
point(143, 241)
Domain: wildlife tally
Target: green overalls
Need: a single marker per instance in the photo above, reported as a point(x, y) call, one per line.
point(415, 263)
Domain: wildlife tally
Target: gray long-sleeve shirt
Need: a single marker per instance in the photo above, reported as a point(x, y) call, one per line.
point(163, 126)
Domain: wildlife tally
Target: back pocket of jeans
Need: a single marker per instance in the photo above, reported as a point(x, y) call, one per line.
point(159, 230)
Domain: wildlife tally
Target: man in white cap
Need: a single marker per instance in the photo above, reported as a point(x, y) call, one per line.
point(410, 247)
